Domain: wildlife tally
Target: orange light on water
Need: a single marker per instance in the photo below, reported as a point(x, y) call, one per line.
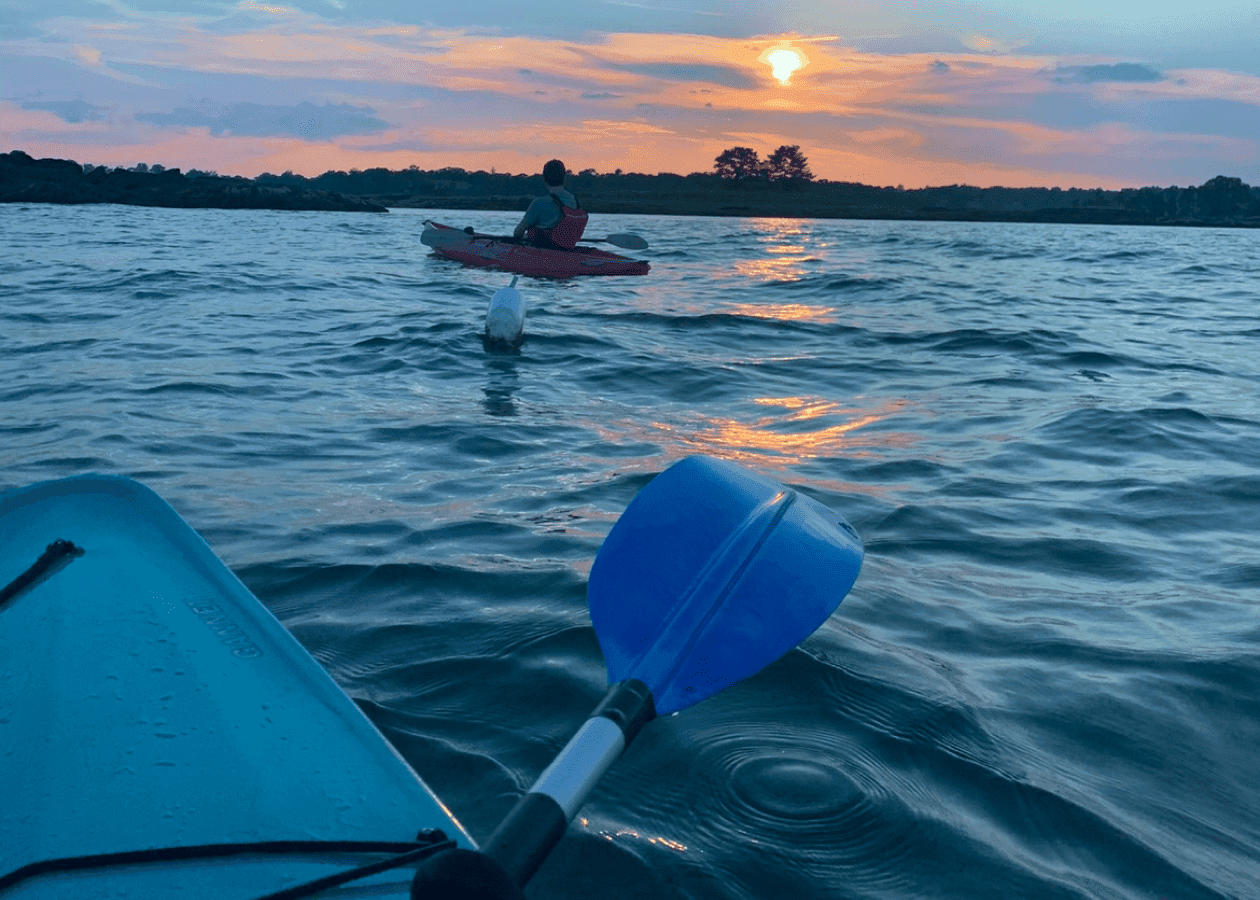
point(795, 429)
point(630, 833)
point(785, 268)
point(784, 312)
point(795, 432)
point(787, 258)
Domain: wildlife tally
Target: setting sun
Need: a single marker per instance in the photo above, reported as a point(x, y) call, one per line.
point(783, 62)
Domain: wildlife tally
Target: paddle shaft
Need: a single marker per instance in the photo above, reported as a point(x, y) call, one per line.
point(626, 241)
point(539, 819)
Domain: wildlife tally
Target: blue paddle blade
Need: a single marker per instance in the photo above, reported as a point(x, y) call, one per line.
point(711, 574)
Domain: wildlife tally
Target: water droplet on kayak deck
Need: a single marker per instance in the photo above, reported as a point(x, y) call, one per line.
point(793, 787)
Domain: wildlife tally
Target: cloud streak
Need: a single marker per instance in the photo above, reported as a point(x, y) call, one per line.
point(1121, 72)
point(305, 120)
point(72, 111)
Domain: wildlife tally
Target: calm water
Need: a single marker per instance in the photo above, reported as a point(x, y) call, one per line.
point(1046, 681)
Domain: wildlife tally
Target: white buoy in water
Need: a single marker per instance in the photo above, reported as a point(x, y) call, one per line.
point(505, 319)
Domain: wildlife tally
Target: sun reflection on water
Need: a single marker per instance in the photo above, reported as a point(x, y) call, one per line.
point(781, 240)
point(792, 431)
point(785, 312)
point(787, 268)
point(800, 428)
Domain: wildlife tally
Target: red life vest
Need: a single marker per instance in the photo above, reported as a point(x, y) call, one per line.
point(564, 234)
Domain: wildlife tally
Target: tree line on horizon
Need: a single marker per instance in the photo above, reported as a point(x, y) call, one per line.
point(1219, 197)
point(1223, 199)
point(736, 165)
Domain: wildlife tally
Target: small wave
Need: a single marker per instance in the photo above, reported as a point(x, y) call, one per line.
point(1112, 255)
point(1175, 433)
point(1192, 505)
point(754, 317)
point(1239, 576)
point(77, 346)
point(912, 532)
point(974, 341)
point(835, 283)
point(198, 387)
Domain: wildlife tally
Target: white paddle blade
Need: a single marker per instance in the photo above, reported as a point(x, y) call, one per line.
point(627, 241)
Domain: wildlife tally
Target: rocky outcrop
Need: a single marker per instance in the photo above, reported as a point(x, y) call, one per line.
point(27, 180)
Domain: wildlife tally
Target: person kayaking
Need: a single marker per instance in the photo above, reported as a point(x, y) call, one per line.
point(557, 220)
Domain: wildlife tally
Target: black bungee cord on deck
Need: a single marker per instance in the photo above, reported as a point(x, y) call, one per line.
point(428, 842)
point(59, 553)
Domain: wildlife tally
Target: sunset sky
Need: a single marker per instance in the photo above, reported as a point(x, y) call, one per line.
point(1074, 93)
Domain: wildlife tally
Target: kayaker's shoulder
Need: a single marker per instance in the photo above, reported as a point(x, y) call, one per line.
point(562, 195)
point(540, 206)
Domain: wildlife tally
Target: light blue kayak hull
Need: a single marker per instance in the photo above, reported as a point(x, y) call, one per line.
point(148, 699)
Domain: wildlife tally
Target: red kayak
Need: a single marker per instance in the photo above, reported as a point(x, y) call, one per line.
point(494, 252)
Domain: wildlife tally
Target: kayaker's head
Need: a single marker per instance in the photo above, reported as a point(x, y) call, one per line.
point(553, 173)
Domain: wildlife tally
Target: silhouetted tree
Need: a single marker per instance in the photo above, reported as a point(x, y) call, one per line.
point(738, 163)
point(788, 163)
point(1222, 197)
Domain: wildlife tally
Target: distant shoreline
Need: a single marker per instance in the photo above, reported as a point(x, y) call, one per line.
point(63, 181)
point(1220, 202)
point(659, 207)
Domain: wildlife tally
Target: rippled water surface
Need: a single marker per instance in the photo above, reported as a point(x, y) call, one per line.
point(1046, 681)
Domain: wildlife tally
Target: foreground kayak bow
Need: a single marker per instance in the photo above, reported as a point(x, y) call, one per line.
point(161, 734)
